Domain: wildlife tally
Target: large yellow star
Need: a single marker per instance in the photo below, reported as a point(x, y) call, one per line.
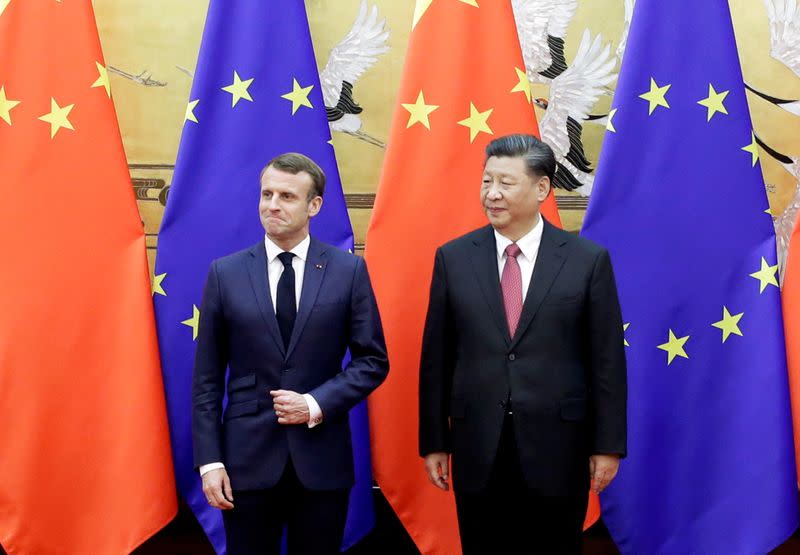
point(766, 275)
point(752, 148)
point(714, 102)
point(194, 321)
point(6, 105)
point(3, 4)
point(656, 96)
point(624, 329)
point(102, 81)
point(189, 115)
point(238, 89)
point(524, 84)
point(729, 323)
point(477, 122)
point(156, 285)
point(57, 118)
point(298, 96)
point(419, 111)
point(674, 347)
point(610, 123)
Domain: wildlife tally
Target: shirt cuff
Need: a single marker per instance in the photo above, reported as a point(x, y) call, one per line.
point(314, 412)
point(209, 467)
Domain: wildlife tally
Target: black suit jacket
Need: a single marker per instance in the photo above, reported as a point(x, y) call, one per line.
point(239, 331)
point(564, 369)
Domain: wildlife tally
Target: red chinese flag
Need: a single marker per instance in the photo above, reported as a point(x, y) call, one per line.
point(464, 84)
point(791, 321)
point(85, 449)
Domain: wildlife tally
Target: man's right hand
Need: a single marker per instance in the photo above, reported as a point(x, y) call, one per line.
point(217, 488)
point(436, 465)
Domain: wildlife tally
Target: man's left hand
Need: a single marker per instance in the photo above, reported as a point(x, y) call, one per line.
point(290, 407)
point(602, 470)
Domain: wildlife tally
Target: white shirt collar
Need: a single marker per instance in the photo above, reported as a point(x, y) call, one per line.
point(300, 250)
point(528, 243)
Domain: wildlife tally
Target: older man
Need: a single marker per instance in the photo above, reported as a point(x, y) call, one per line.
point(523, 375)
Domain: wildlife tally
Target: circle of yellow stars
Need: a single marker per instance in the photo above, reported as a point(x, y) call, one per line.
point(714, 103)
point(729, 325)
point(239, 90)
point(766, 275)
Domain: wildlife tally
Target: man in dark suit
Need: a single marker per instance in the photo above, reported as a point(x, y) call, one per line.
point(280, 316)
point(523, 376)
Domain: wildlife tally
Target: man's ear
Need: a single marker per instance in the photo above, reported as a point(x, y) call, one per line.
point(314, 206)
point(543, 188)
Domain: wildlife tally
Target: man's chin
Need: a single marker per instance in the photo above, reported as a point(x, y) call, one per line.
point(496, 221)
point(274, 228)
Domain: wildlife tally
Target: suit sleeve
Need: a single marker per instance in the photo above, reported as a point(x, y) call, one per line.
point(208, 377)
point(436, 366)
point(609, 391)
point(369, 363)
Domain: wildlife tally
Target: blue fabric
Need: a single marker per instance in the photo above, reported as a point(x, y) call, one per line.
point(681, 208)
point(213, 203)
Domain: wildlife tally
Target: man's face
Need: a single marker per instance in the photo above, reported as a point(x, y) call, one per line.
point(285, 208)
point(510, 196)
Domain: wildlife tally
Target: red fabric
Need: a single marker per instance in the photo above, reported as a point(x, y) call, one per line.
point(85, 448)
point(458, 55)
point(791, 322)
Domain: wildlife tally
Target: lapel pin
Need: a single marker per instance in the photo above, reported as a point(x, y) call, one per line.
point(318, 266)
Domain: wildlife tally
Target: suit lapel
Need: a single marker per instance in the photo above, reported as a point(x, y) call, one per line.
point(548, 265)
point(485, 265)
point(259, 279)
point(314, 272)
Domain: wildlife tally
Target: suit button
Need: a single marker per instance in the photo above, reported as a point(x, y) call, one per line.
point(512, 356)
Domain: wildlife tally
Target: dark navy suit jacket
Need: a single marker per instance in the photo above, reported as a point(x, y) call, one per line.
point(238, 330)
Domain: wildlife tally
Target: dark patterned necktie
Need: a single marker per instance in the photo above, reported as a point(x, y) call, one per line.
point(285, 302)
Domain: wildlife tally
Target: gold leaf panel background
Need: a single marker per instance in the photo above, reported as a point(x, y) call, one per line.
point(154, 47)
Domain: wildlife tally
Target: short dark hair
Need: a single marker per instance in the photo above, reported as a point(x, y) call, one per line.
point(294, 163)
point(539, 158)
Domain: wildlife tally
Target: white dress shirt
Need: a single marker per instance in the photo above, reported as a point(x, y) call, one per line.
point(275, 270)
point(529, 245)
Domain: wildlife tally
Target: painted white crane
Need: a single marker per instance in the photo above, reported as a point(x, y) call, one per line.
point(572, 95)
point(349, 59)
point(541, 27)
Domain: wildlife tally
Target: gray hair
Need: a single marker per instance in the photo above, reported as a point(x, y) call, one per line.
point(539, 158)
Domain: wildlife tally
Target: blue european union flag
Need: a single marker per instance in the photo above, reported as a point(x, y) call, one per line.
point(679, 201)
point(256, 94)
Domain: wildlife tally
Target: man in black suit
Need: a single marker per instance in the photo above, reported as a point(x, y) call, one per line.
point(280, 316)
point(523, 376)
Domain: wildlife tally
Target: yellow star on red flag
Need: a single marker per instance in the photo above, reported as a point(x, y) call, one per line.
point(58, 117)
point(6, 105)
point(102, 80)
point(419, 111)
point(477, 122)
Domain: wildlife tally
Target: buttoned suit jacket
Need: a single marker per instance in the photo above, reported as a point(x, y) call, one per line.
point(240, 352)
point(564, 369)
